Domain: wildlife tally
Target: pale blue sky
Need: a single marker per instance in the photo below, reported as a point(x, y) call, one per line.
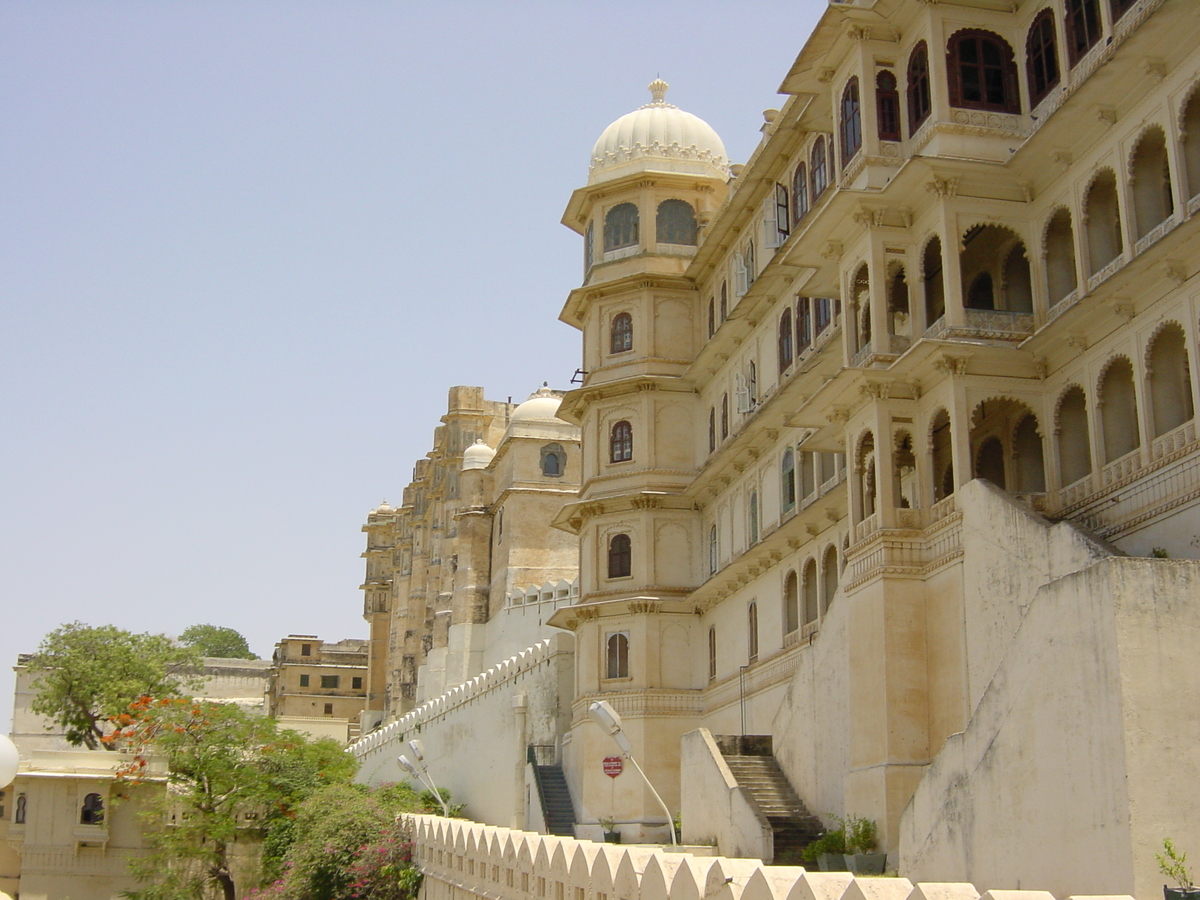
point(245, 248)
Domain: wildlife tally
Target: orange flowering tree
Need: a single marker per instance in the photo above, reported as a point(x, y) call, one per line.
point(230, 773)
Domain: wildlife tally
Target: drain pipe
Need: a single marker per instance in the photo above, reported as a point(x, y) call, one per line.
point(520, 707)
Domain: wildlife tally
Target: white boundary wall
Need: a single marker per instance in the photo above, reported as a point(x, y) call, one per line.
point(476, 735)
point(463, 860)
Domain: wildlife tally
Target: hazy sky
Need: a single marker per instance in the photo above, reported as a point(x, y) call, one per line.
point(247, 246)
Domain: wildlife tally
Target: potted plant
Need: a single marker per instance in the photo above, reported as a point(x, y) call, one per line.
point(828, 851)
point(1173, 864)
point(611, 835)
point(862, 842)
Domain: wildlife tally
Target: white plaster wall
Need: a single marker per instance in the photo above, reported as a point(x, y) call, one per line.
point(472, 743)
point(1085, 747)
point(1011, 552)
point(714, 809)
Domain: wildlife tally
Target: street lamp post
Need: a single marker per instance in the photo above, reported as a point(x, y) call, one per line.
point(421, 773)
point(606, 717)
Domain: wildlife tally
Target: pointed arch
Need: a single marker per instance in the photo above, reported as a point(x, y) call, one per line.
point(1169, 378)
point(1189, 130)
point(1059, 247)
point(932, 279)
point(1074, 440)
point(941, 454)
point(1117, 401)
point(1150, 181)
point(1102, 219)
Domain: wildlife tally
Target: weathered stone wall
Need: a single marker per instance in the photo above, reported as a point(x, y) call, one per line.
point(1063, 774)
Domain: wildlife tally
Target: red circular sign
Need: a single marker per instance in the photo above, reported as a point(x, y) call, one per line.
point(613, 766)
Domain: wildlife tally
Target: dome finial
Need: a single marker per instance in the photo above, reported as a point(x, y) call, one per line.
point(658, 90)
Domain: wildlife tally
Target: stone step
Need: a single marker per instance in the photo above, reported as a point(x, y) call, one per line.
point(792, 825)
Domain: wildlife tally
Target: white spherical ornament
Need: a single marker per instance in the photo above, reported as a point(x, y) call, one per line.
point(9, 760)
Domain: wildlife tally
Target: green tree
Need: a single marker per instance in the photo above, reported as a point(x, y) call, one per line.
point(88, 674)
point(231, 774)
point(214, 640)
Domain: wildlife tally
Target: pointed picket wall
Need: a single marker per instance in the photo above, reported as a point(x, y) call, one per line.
point(465, 860)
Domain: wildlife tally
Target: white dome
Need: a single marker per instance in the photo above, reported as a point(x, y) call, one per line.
point(478, 456)
point(382, 508)
point(541, 405)
point(658, 136)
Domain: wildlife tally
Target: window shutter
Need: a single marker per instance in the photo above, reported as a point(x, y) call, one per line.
point(741, 394)
point(770, 223)
point(741, 282)
point(782, 211)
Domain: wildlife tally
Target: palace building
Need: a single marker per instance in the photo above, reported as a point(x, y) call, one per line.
point(888, 457)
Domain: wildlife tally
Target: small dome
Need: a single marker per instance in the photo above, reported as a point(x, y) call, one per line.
point(382, 509)
point(478, 456)
point(658, 136)
point(542, 404)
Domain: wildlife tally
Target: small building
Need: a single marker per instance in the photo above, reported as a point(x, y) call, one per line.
point(318, 687)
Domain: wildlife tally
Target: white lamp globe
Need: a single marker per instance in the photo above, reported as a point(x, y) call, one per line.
point(9, 760)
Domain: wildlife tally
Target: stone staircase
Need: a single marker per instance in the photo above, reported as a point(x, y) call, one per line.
point(557, 808)
point(750, 759)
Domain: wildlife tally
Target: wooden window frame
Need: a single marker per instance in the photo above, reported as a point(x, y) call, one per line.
point(887, 105)
point(1010, 101)
point(620, 442)
point(1041, 57)
point(620, 556)
point(918, 90)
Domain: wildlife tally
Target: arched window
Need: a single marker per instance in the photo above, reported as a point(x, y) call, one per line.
point(752, 632)
point(787, 480)
point(19, 812)
point(1191, 142)
point(621, 335)
point(1118, 410)
point(1150, 178)
point(808, 474)
point(919, 99)
point(713, 550)
point(803, 324)
point(982, 72)
point(822, 313)
point(811, 610)
point(617, 653)
point(724, 294)
point(887, 106)
point(1083, 27)
point(1074, 446)
point(1041, 57)
point(675, 223)
point(791, 603)
point(712, 653)
point(92, 811)
point(786, 351)
point(621, 442)
point(1060, 257)
point(724, 416)
point(712, 429)
point(620, 556)
point(1170, 379)
point(820, 168)
point(589, 247)
point(753, 515)
point(899, 318)
point(800, 192)
point(554, 460)
point(1103, 218)
point(712, 316)
point(829, 577)
point(621, 227)
point(942, 455)
point(752, 383)
point(851, 122)
point(935, 291)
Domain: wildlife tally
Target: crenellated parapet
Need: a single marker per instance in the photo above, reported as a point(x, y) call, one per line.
point(463, 859)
